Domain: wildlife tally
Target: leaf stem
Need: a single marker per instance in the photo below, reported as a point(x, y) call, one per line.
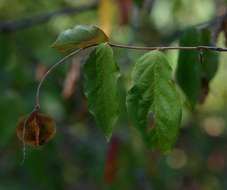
point(37, 105)
point(211, 48)
point(197, 48)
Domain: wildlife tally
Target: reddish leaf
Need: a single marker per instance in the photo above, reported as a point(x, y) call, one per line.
point(72, 77)
point(40, 71)
point(111, 160)
point(124, 10)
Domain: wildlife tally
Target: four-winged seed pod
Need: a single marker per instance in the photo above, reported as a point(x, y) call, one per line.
point(35, 129)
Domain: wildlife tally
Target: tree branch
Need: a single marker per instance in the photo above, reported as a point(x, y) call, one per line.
point(14, 25)
point(199, 48)
point(37, 105)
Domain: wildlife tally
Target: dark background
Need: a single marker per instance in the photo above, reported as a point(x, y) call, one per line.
point(78, 157)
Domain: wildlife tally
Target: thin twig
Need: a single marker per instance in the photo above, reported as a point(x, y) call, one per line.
point(211, 48)
point(197, 48)
point(37, 106)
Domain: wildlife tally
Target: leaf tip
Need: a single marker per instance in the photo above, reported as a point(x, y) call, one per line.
point(108, 136)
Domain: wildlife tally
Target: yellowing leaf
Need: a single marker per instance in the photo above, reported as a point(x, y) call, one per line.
point(80, 36)
point(106, 15)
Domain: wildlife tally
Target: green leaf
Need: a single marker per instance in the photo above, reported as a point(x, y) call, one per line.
point(210, 58)
point(193, 76)
point(209, 65)
point(80, 36)
point(100, 84)
point(189, 68)
point(153, 103)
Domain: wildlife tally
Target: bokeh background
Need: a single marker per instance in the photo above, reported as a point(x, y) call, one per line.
point(78, 157)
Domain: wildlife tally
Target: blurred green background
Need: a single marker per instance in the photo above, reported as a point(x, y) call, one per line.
point(78, 157)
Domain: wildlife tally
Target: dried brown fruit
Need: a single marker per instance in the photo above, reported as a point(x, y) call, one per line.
point(39, 129)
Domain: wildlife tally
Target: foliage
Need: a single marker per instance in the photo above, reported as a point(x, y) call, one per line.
point(193, 74)
point(79, 37)
point(153, 102)
point(153, 91)
point(148, 111)
point(101, 77)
